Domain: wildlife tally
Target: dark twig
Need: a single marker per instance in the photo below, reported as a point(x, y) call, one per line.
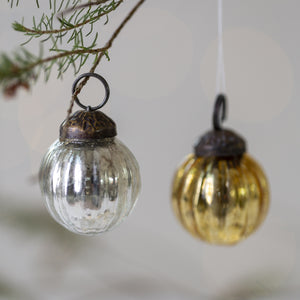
point(107, 46)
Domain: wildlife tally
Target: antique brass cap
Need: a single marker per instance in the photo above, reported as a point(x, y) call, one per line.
point(86, 125)
point(220, 143)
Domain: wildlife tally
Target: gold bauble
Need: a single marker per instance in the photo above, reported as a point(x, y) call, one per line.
point(220, 194)
point(221, 201)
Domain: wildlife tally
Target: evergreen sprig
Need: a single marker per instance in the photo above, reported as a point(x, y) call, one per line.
point(68, 31)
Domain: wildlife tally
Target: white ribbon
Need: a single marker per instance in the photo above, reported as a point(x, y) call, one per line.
point(221, 83)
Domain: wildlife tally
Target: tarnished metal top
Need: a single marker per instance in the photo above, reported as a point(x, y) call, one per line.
point(220, 143)
point(86, 125)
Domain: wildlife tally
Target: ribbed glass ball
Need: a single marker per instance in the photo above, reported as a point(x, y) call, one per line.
point(89, 187)
point(220, 200)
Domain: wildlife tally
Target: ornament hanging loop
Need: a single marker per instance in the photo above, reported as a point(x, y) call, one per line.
point(219, 114)
point(105, 84)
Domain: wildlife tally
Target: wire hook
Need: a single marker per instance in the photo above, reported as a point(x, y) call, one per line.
point(106, 86)
point(220, 110)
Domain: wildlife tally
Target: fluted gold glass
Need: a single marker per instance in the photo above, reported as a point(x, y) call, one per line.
point(220, 200)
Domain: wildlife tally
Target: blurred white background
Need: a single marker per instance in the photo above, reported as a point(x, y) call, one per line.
point(162, 78)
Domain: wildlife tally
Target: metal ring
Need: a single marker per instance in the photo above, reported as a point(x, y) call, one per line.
point(219, 114)
point(104, 82)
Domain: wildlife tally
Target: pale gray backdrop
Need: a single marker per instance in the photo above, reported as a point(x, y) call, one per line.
point(162, 77)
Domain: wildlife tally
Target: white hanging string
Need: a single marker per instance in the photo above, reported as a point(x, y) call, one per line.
point(221, 83)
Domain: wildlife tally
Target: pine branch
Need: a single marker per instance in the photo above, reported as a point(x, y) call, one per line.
point(85, 5)
point(70, 41)
point(67, 26)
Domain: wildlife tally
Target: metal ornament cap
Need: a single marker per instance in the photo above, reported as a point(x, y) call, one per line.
point(220, 143)
point(86, 125)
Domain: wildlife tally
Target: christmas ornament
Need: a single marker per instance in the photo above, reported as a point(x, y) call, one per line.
point(220, 194)
point(90, 180)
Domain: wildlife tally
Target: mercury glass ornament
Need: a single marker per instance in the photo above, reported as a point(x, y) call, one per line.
point(90, 179)
point(220, 194)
